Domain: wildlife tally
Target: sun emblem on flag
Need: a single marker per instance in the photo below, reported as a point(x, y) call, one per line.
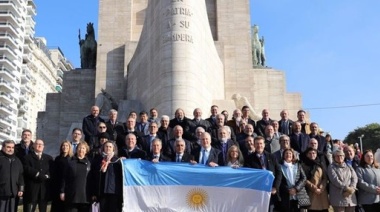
point(197, 198)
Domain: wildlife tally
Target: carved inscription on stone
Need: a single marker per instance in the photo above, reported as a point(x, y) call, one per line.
point(178, 26)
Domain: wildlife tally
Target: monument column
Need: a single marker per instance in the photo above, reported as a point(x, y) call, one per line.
point(176, 63)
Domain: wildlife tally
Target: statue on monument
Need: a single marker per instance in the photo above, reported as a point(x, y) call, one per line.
point(88, 48)
point(262, 42)
point(241, 101)
point(105, 102)
point(258, 53)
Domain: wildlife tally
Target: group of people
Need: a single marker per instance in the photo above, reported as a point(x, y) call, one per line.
point(311, 171)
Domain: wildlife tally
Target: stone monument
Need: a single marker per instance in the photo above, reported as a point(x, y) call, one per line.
point(168, 54)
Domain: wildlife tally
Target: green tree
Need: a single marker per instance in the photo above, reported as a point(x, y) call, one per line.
point(371, 139)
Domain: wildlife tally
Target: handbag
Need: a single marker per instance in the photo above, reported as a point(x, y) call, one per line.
point(303, 198)
point(95, 207)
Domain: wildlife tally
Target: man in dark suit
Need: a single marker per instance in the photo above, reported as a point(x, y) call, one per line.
point(264, 160)
point(219, 124)
point(180, 155)
point(143, 125)
point(147, 140)
point(284, 144)
point(248, 147)
point(25, 146)
point(165, 132)
point(178, 134)
point(181, 120)
point(130, 149)
point(156, 155)
point(214, 112)
point(90, 126)
point(322, 145)
point(245, 116)
point(206, 154)
point(113, 126)
point(196, 122)
point(11, 177)
point(285, 125)
point(234, 123)
point(37, 166)
point(298, 141)
point(261, 124)
point(224, 143)
point(129, 128)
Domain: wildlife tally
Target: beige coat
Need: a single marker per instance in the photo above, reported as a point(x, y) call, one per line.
point(319, 181)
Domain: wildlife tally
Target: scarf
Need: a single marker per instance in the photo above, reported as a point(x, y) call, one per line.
point(106, 160)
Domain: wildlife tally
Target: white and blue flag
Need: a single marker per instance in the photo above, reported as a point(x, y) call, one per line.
point(168, 186)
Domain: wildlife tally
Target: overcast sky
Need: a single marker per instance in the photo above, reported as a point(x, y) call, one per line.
point(329, 51)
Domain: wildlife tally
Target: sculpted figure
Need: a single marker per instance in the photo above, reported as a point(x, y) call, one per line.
point(258, 52)
point(105, 102)
point(88, 48)
point(262, 56)
point(241, 101)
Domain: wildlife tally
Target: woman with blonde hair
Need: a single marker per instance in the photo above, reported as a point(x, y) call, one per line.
point(369, 182)
point(234, 157)
point(292, 188)
point(60, 162)
point(75, 189)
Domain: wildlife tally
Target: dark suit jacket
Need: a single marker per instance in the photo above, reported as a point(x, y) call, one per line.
point(260, 126)
point(135, 153)
point(234, 126)
point(114, 129)
point(144, 129)
point(299, 144)
point(219, 146)
point(162, 158)
point(120, 141)
point(284, 131)
point(41, 183)
point(214, 134)
point(145, 142)
point(186, 157)
point(90, 131)
point(211, 121)
point(214, 156)
point(170, 150)
point(184, 124)
point(165, 136)
point(322, 146)
point(271, 165)
point(193, 125)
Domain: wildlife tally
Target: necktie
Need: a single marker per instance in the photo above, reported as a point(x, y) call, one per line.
point(39, 156)
point(74, 148)
point(224, 147)
point(178, 160)
point(262, 162)
point(203, 161)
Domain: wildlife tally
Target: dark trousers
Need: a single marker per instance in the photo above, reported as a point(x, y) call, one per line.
point(7, 204)
point(375, 207)
point(78, 207)
point(110, 202)
point(31, 207)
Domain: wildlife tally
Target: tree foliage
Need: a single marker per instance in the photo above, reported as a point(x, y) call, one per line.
point(371, 139)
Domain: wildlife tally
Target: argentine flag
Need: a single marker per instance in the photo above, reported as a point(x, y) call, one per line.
point(168, 186)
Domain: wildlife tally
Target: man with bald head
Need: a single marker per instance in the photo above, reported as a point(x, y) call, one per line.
point(285, 125)
point(261, 124)
point(90, 126)
point(130, 150)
